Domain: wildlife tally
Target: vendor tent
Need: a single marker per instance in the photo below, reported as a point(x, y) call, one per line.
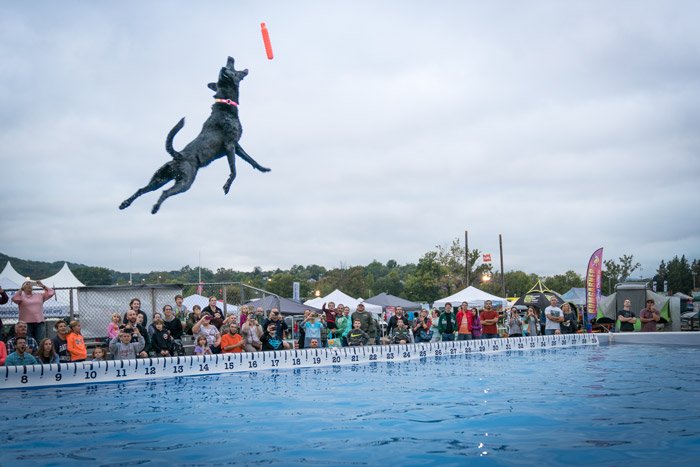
point(284, 305)
point(338, 296)
point(10, 273)
point(384, 300)
point(539, 296)
point(669, 307)
point(575, 295)
point(473, 296)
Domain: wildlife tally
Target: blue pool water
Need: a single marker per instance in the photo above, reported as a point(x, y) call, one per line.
point(607, 405)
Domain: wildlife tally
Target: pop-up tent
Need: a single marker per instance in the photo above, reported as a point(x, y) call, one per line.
point(539, 296)
point(338, 296)
point(575, 295)
point(284, 305)
point(384, 300)
point(669, 307)
point(473, 296)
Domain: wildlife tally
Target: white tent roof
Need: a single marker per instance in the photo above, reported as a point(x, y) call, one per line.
point(471, 295)
point(338, 296)
point(63, 278)
point(8, 284)
point(10, 273)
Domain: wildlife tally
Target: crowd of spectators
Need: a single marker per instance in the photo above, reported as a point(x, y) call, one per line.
point(130, 335)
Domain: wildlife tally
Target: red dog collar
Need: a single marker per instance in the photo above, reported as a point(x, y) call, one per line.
point(227, 101)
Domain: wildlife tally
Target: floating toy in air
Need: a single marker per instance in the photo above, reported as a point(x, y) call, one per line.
point(266, 41)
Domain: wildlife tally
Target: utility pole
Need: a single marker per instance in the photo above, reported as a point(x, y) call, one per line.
point(503, 277)
point(466, 256)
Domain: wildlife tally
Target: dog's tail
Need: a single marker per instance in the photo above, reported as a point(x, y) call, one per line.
point(171, 136)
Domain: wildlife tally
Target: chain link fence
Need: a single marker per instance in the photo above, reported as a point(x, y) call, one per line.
point(94, 306)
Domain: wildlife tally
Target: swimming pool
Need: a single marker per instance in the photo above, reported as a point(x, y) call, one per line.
point(582, 405)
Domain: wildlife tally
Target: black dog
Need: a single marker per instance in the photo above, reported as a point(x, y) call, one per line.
point(219, 137)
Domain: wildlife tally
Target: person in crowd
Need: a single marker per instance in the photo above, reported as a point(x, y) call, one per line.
point(259, 315)
point(330, 314)
point(312, 328)
point(161, 340)
point(21, 356)
point(60, 344)
point(252, 332)
point(270, 340)
point(570, 323)
point(180, 311)
point(314, 344)
point(3, 353)
point(531, 322)
point(232, 341)
point(302, 331)
point(4, 298)
point(212, 308)
point(626, 317)
point(434, 316)
point(356, 336)
point(514, 323)
point(113, 327)
point(21, 331)
point(342, 323)
point(421, 327)
point(400, 314)
point(202, 347)
point(368, 324)
point(151, 327)
point(554, 317)
point(281, 327)
point(128, 345)
point(243, 310)
point(477, 328)
point(204, 327)
point(649, 316)
point(76, 342)
point(99, 354)
point(31, 308)
point(135, 306)
point(138, 331)
point(447, 324)
point(192, 319)
point(401, 334)
point(464, 322)
point(489, 321)
point(46, 353)
point(174, 326)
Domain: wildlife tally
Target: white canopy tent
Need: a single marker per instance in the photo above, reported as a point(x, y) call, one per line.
point(10, 273)
point(473, 296)
point(338, 296)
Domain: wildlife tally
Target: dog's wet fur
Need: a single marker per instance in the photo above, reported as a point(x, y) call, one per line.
point(219, 137)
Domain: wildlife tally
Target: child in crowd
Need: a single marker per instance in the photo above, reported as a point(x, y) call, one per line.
point(269, 339)
point(46, 353)
point(477, 328)
point(98, 354)
point(161, 340)
point(312, 329)
point(122, 348)
point(76, 343)
point(113, 326)
point(357, 336)
point(202, 347)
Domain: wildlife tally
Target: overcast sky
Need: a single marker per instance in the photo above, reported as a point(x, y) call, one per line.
point(390, 127)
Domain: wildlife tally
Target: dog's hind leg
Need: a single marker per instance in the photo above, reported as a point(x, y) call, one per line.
point(231, 156)
point(160, 178)
point(244, 155)
point(183, 182)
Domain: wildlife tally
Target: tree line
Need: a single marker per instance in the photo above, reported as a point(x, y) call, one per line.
point(438, 273)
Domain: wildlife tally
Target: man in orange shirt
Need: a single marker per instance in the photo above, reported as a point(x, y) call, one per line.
point(232, 342)
point(489, 320)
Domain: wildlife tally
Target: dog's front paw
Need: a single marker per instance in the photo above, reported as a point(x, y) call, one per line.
point(263, 169)
point(155, 209)
point(125, 204)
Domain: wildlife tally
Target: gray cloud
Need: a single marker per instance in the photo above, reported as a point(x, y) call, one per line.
point(390, 128)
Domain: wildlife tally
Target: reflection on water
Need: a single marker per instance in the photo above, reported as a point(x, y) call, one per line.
point(611, 405)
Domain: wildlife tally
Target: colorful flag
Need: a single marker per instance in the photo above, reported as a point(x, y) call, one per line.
point(593, 285)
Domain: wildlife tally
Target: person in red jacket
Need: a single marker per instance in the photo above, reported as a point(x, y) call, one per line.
point(76, 343)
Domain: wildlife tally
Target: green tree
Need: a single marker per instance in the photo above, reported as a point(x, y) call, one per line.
point(680, 277)
point(423, 285)
point(563, 282)
point(519, 282)
point(615, 273)
point(94, 275)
